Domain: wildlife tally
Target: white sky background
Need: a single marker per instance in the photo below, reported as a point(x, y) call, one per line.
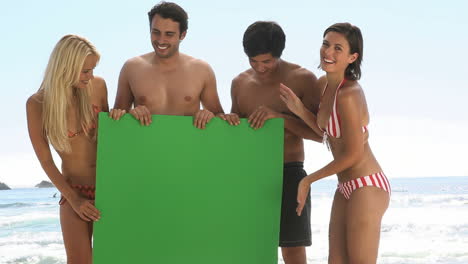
point(414, 69)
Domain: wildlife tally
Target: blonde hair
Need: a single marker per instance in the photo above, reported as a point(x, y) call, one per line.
point(62, 73)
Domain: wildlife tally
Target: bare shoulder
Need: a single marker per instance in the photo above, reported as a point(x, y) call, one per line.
point(138, 60)
point(301, 73)
point(196, 64)
point(192, 61)
point(351, 90)
point(299, 78)
point(99, 86)
point(99, 83)
point(243, 78)
point(35, 101)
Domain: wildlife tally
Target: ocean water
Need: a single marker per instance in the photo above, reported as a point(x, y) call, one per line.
point(427, 222)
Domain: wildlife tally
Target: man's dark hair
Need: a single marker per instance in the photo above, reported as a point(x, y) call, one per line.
point(172, 11)
point(264, 37)
point(354, 37)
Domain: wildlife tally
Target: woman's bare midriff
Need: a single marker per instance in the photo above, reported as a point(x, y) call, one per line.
point(79, 166)
point(366, 165)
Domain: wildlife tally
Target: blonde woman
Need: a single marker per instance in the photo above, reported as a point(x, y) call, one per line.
point(363, 192)
point(63, 114)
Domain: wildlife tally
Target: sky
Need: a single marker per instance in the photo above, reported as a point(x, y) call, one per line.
point(414, 68)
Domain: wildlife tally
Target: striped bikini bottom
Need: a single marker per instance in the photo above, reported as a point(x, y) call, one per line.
point(378, 180)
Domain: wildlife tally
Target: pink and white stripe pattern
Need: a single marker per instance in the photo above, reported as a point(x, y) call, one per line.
point(378, 180)
point(333, 128)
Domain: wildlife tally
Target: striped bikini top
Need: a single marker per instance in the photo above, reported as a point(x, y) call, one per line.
point(333, 128)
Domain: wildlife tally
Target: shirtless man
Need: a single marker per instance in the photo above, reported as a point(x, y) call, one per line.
point(255, 95)
point(167, 82)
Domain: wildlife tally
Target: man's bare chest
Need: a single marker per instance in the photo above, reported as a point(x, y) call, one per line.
point(249, 100)
point(168, 87)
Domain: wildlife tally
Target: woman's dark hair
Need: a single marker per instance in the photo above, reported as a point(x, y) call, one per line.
point(172, 11)
point(354, 37)
point(264, 37)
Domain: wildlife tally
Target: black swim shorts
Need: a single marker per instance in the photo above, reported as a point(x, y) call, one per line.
point(294, 230)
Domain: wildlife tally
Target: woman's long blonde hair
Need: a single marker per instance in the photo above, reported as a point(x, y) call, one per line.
point(61, 75)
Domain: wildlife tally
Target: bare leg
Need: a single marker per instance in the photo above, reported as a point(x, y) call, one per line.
point(76, 236)
point(365, 210)
point(337, 253)
point(294, 255)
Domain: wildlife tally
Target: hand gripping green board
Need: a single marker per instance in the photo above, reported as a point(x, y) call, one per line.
point(173, 194)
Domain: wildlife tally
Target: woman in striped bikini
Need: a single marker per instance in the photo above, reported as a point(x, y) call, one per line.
point(63, 113)
point(363, 192)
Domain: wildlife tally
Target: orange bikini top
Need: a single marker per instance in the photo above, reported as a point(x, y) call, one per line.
point(72, 134)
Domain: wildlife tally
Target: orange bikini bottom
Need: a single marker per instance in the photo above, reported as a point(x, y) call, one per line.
point(88, 191)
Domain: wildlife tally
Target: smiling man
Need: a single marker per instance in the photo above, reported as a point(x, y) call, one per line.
point(165, 81)
point(255, 95)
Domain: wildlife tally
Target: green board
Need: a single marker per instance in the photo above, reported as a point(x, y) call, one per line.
point(171, 193)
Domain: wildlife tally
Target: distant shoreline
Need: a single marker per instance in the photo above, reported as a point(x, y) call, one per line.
point(41, 185)
point(330, 179)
